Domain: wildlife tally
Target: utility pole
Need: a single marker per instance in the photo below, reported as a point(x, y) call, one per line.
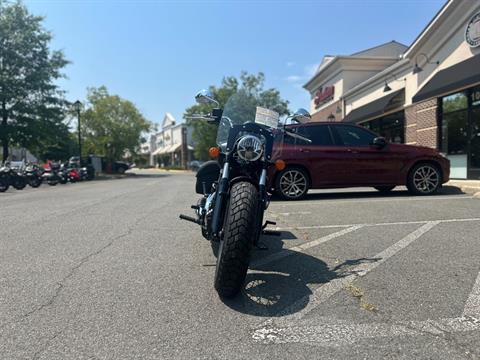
point(78, 107)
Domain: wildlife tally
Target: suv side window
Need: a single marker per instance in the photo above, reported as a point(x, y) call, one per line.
point(320, 135)
point(353, 136)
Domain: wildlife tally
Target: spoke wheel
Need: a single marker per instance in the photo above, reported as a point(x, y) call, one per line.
point(424, 179)
point(292, 184)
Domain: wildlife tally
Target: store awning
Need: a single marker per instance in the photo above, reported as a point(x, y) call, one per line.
point(157, 152)
point(160, 151)
point(446, 81)
point(174, 148)
point(371, 110)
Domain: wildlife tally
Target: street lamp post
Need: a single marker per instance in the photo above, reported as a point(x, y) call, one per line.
point(77, 105)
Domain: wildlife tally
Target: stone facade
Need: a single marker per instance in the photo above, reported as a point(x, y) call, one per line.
point(421, 124)
point(323, 114)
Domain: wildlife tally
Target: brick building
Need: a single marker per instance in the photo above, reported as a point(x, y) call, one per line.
point(425, 94)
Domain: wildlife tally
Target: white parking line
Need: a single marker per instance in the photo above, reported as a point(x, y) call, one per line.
point(293, 213)
point(472, 306)
point(374, 224)
point(324, 292)
point(341, 333)
point(301, 248)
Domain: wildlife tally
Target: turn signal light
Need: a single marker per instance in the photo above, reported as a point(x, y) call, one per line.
point(214, 152)
point(279, 165)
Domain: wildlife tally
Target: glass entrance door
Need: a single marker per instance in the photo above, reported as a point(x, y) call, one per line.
point(454, 130)
point(474, 158)
point(460, 133)
point(455, 142)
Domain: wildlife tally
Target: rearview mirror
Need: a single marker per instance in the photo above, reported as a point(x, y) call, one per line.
point(302, 116)
point(205, 97)
point(379, 142)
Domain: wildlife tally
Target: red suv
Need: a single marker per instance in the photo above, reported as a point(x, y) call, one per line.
point(346, 155)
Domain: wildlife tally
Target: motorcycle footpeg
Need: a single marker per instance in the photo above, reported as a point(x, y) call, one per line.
point(268, 222)
point(191, 219)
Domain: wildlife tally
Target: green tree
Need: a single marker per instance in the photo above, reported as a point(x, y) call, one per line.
point(204, 134)
point(31, 104)
point(111, 126)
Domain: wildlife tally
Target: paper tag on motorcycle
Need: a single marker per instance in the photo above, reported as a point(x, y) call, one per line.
point(267, 117)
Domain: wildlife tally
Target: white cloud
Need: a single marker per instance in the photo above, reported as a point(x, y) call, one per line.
point(293, 78)
point(290, 63)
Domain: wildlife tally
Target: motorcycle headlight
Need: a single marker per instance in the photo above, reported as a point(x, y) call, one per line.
point(249, 148)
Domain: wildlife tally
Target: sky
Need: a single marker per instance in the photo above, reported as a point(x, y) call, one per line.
point(158, 54)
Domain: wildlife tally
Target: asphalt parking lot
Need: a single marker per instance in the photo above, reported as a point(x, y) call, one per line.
point(106, 270)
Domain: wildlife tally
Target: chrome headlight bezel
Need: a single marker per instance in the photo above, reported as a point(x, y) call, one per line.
point(250, 148)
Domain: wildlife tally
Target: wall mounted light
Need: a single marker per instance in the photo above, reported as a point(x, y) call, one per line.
point(331, 117)
point(387, 88)
point(417, 68)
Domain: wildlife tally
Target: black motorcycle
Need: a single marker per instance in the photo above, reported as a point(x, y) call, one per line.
point(55, 174)
point(12, 176)
point(234, 187)
point(4, 178)
point(34, 175)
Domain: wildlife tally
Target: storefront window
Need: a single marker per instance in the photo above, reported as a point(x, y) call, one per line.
point(474, 170)
point(476, 96)
point(460, 133)
point(458, 101)
point(454, 133)
point(391, 127)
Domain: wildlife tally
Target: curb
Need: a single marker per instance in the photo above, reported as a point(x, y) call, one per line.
point(468, 187)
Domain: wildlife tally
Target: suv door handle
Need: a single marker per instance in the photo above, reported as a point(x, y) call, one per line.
point(352, 151)
point(304, 150)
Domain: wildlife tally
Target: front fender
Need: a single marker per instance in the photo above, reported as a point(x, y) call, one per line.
point(244, 178)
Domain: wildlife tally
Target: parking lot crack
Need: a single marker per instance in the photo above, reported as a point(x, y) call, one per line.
point(60, 285)
point(36, 354)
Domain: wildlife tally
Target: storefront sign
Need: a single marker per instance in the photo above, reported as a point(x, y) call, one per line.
point(324, 95)
point(472, 33)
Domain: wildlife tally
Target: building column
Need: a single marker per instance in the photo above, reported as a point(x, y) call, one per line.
point(421, 124)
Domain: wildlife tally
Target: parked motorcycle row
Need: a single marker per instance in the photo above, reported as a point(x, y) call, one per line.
point(34, 175)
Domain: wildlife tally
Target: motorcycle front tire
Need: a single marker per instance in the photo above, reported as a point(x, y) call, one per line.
point(238, 236)
point(4, 185)
point(35, 182)
point(19, 183)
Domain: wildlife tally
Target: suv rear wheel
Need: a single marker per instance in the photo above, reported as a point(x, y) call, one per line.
point(424, 179)
point(292, 184)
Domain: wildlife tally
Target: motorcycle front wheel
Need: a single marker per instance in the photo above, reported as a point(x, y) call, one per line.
point(35, 182)
point(19, 183)
point(238, 236)
point(4, 184)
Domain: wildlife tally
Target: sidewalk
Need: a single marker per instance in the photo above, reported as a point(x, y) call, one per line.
point(156, 171)
point(467, 186)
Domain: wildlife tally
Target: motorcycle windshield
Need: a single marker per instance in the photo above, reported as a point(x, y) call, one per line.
point(243, 107)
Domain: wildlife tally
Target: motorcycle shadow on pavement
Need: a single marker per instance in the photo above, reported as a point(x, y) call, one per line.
point(282, 287)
